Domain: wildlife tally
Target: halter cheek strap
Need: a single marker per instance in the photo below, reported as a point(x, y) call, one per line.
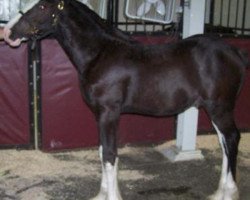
point(21, 12)
point(34, 29)
point(60, 7)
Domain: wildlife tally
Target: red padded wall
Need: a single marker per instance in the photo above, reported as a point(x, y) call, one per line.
point(14, 104)
point(67, 122)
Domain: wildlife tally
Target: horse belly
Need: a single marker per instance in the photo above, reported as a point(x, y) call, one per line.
point(161, 101)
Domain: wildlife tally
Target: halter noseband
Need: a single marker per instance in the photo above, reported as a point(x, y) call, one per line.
point(34, 29)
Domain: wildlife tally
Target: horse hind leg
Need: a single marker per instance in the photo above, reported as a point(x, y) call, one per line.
point(229, 137)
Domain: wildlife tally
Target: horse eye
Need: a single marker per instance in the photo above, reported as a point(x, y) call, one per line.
point(42, 7)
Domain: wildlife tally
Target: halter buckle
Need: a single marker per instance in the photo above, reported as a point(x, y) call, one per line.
point(60, 5)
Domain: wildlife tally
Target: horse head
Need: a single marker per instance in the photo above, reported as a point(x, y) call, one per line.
point(37, 20)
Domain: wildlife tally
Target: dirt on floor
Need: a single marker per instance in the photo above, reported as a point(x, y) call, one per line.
point(144, 174)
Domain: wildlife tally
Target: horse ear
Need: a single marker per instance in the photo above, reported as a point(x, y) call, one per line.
point(66, 1)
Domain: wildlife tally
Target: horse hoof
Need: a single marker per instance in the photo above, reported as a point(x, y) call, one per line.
point(225, 195)
point(103, 196)
point(100, 196)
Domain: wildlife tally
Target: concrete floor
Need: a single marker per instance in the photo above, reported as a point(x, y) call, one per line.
point(144, 174)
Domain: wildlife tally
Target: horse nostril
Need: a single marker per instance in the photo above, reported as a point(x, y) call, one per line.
point(12, 35)
point(8, 34)
point(8, 37)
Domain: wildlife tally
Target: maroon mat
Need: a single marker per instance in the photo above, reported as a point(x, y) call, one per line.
point(14, 101)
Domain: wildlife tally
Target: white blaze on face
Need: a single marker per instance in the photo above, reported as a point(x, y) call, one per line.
point(13, 21)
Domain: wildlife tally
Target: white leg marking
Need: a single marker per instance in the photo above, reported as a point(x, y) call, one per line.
point(104, 183)
point(113, 189)
point(109, 184)
point(227, 187)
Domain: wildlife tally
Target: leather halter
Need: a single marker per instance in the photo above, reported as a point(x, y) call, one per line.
point(34, 29)
point(60, 7)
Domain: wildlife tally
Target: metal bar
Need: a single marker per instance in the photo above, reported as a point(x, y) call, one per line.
point(35, 107)
point(39, 91)
point(135, 27)
point(126, 24)
point(31, 94)
point(221, 12)
point(136, 22)
point(116, 17)
point(110, 12)
point(244, 17)
point(34, 57)
point(154, 28)
point(228, 14)
point(211, 20)
point(237, 14)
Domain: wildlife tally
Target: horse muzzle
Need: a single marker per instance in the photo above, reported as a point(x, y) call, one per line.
point(12, 42)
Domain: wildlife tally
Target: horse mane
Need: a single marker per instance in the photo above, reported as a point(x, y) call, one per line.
point(102, 24)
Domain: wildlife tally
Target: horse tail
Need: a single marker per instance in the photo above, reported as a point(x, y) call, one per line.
point(244, 57)
point(244, 63)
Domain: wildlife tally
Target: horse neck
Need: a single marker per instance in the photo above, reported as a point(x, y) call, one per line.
point(83, 35)
point(81, 39)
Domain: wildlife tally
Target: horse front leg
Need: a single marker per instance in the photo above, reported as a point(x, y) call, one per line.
point(108, 123)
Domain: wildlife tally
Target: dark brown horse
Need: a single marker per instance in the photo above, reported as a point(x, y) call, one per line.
point(120, 76)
